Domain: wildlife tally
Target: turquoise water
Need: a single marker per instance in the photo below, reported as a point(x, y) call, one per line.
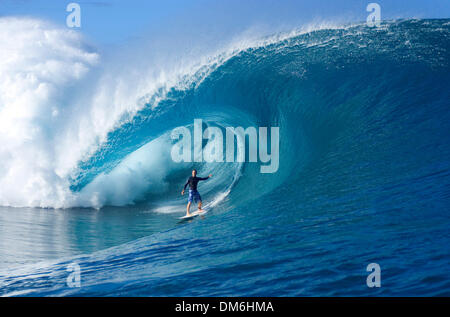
point(364, 177)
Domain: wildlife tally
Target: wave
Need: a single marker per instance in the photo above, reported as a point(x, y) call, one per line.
point(77, 134)
point(363, 174)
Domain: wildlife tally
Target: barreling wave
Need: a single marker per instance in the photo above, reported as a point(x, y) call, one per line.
point(352, 92)
point(363, 174)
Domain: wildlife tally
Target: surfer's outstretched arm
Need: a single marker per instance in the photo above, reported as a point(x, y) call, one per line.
point(204, 178)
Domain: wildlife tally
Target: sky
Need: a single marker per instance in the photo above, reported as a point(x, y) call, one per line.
point(112, 22)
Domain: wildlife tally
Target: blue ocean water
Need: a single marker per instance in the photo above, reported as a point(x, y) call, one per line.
point(364, 177)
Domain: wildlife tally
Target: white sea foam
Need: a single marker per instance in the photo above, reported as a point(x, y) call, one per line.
point(38, 65)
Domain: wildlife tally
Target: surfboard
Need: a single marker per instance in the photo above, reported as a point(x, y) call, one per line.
point(194, 214)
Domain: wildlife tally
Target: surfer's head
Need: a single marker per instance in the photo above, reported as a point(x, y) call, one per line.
point(194, 172)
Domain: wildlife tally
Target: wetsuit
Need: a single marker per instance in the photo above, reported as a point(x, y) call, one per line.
point(193, 193)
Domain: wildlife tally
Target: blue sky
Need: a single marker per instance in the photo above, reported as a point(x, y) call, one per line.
point(113, 21)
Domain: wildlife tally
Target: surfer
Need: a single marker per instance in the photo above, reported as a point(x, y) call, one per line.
point(193, 193)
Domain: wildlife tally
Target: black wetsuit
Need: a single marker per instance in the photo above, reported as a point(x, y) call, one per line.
point(193, 181)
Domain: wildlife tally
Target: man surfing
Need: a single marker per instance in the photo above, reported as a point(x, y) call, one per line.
point(193, 193)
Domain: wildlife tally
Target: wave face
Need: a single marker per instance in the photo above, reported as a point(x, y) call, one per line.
point(363, 177)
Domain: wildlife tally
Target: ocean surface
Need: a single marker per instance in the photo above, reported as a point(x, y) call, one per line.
point(364, 177)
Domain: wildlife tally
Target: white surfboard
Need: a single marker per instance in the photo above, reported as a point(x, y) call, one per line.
point(194, 214)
